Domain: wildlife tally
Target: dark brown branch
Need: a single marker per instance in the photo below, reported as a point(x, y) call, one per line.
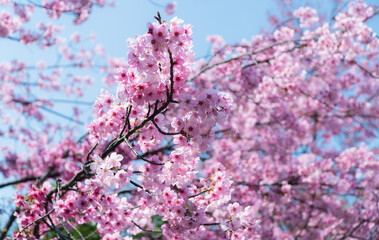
point(210, 224)
point(35, 221)
point(88, 161)
point(139, 156)
point(169, 147)
point(90, 152)
point(139, 186)
point(79, 176)
point(126, 191)
point(144, 229)
point(40, 179)
point(23, 180)
point(127, 120)
point(198, 194)
point(158, 18)
point(256, 63)
point(163, 132)
point(8, 225)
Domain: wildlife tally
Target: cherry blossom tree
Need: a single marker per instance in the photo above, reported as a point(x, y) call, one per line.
point(269, 138)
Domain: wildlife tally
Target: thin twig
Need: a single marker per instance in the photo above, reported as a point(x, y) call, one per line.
point(64, 227)
point(139, 156)
point(80, 234)
point(163, 132)
point(37, 220)
point(139, 186)
point(198, 194)
point(61, 115)
point(127, 120)
point(26, 179)
point(144, 229)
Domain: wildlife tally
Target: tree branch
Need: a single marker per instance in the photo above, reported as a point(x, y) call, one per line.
point(144, 229)
point(139, 156)
point(8, 225)
point(37, 220)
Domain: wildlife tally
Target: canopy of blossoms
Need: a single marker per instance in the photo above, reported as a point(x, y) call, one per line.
point(240, 145)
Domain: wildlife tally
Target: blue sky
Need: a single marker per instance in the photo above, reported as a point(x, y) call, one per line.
point(233, 20)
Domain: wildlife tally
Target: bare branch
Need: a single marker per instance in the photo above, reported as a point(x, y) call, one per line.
point(139, 156)
point(198, 194)
point(40, 179)
point(144, 229)
point(23, 180)
point(61, 115)
point(163, 132)
point(8, 225)
point(139, 186)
